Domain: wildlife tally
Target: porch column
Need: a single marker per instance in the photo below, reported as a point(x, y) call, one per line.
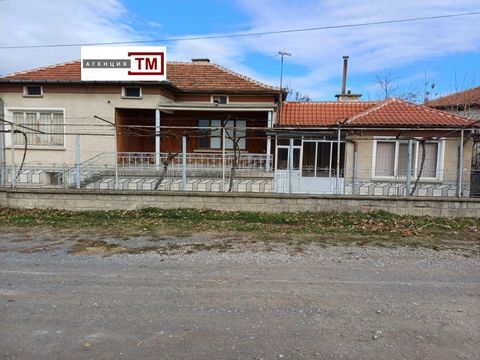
point(157, 139)
point(268, 164)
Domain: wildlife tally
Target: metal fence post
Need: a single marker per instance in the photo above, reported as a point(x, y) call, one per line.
point(77, 161)
point(409, 168)
point(290, 166)
point(460, 166)
point(2, 146)
point(223, 159)
point(184, 163)
point(13, 175)
point(157, 139)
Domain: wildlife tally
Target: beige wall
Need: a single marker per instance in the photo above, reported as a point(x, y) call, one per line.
point(364, 161)
point(79, 108)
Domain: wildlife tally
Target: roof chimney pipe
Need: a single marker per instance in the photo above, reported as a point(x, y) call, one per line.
point(344, 79)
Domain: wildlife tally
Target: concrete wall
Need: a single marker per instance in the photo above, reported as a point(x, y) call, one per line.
point(107, 200)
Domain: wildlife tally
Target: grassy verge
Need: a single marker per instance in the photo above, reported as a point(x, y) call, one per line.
point(324, 228)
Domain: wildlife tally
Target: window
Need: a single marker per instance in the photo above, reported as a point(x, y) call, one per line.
point(320, 158)
point(43, 128)
point(220, 99)
point(211, 134)
point(391, 159)
point(132, 92)
point(33, 90)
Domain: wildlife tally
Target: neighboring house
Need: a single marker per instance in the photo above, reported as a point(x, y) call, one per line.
point(208, 128)
point(464, 103)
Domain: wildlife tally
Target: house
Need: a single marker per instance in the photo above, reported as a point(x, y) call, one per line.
point(68, 121)
point(210, 129)
point(465, 103)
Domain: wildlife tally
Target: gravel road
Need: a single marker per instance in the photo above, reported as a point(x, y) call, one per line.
point(333, 303)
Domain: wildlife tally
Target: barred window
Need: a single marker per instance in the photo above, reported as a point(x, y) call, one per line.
point(43, 128)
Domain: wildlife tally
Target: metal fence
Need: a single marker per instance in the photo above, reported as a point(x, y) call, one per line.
point(213, 172)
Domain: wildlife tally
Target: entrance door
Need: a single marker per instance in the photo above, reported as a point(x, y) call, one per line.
point(309, 166)
point(287, 166)
point(319, 167)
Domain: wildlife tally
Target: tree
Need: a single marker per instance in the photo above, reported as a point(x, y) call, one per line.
point(297, 96)
point(389, 85)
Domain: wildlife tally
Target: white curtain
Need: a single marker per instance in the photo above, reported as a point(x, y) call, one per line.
point(385, 159)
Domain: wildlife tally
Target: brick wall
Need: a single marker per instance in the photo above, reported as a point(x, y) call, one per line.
point(106, 200)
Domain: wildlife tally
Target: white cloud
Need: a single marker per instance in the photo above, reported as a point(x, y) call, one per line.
point(372, 49)
point(33, 22)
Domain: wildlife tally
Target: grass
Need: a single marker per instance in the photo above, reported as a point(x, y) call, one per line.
point(378, 228)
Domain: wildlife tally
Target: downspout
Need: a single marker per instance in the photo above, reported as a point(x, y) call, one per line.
point(2, 146)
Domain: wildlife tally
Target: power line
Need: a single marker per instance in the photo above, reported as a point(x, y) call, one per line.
point(273, 32)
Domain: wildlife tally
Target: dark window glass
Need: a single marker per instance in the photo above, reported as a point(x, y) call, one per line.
point(204, 136)
point(220, 99)
point(132, 91)
point(34, 90)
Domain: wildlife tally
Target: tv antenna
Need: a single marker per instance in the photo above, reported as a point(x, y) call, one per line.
point(282, 55)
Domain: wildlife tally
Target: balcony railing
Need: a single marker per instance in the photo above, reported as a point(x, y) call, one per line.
point(202, 161)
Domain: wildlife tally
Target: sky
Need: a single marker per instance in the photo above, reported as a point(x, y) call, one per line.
point(443, 52)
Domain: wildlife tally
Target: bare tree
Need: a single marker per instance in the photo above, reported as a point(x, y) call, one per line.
point(233, 136)
point(297, 96)
point(388, 84)
point(169, 158)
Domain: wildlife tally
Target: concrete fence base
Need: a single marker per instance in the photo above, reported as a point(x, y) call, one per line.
point(129, 200)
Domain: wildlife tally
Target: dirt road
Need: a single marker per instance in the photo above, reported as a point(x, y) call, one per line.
point(248, 303)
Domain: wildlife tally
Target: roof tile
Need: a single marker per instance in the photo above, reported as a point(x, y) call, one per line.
point(188, 77)
point(387, 113)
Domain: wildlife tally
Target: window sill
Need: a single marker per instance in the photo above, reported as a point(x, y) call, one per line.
point(32, 96)
point(132, 97)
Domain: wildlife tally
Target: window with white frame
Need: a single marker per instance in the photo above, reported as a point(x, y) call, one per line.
point(391, 158)
point(211, 135)
point(43, 128)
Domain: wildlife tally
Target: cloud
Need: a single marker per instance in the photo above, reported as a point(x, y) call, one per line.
point(372, 49)
point(31, 22)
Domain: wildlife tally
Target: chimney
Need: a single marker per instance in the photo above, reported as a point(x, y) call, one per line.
point(344, 95)
point(201, 60)
point(344, 78)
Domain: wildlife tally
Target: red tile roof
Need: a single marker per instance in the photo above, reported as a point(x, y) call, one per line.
point(320, 113)
point(387, 113)
point(400, 113)
point(200, 76)
point(459, 99)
